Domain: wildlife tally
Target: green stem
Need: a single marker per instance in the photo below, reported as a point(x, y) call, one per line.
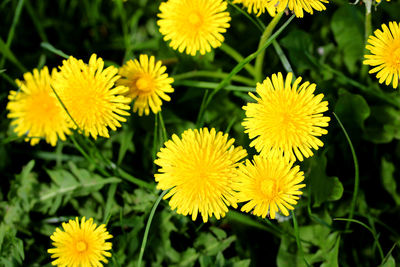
point(284, 60)
point(155, 143)
point(237, 57)
point(247, 15)
point(369, 229)
point(10, 36)
point(163, 129)
point(146, 231)
point(87, 157)
point(236, 69)
point(36, 21)
point(210, 85)
point(371, 92)
point(356, 173)
point(298, 241)
point(367, 33)
point(123, 174)
point(264, 37)
point(212, 74)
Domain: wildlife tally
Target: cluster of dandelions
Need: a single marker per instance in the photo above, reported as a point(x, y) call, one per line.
point(85, 97)
point(204, 172)
point(194, 26)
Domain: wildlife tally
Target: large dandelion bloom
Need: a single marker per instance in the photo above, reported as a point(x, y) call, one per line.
point(269, 185)
point(258, 6)
point(89, 95)
point(385, 49)
point(286, 119)
point(194, 25)
point(199, 169)
point(35, 110)
point(81, 244)
point(147, 83)
point(297, 6)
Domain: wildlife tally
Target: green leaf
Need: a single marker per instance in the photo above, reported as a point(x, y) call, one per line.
point(352, 110)
point(299, 44)
point(388, 181)
point(78, 182)
point(322, 187)
point(347, 26)
point(384, 125)
point(390, 262)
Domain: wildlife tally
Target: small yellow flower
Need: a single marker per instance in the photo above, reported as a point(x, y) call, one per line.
point(193, 25)
point(35, 110)
point(257, 6)
point(378, 1)
point(199, 169)
point(147, 83)
point(269, 185)
point(385, 49)
point(286, 119)
point(297, 6)
point(88, 93)
point(81, 244)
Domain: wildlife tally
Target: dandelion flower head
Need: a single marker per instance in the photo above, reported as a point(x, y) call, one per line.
point(193, 25)
point(147, 82)
point(384, 47)
point(287, 119)
point(80, 244)
point(268, 186)
point(257, 6)
point(299, 6)
point(89, 95)
point(199, 169)
point(35, 110)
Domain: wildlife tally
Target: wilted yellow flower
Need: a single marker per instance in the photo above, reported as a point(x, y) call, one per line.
point(297, 6)
point(147, 83)
point(80, 245)
point(269, 185)
point(88, 93)
point(385, 49)
point(35, 110)
point(193, 25)
point(286, 119)
point(258, 6)
point(199, 169)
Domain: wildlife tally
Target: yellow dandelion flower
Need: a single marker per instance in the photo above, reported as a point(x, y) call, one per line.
point(297, 6)
point(35, 110)
point(81, 244)
point(199, 168)
point(88, 93)
point(378, 1)
point(194, 25)
point(269, 185)
point(258, 6)
point(385, 49)
point(147, 83)
point(286, 119)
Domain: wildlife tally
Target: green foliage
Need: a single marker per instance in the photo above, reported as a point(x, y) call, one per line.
point(112, 180)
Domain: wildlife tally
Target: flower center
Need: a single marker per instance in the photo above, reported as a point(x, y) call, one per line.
point(195, 19)
point(269, 188)
point(396, 56)
point(81, 246)
point(143, 84)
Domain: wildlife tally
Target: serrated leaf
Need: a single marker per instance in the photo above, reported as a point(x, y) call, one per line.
point(78, 182)
point(322, 187)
